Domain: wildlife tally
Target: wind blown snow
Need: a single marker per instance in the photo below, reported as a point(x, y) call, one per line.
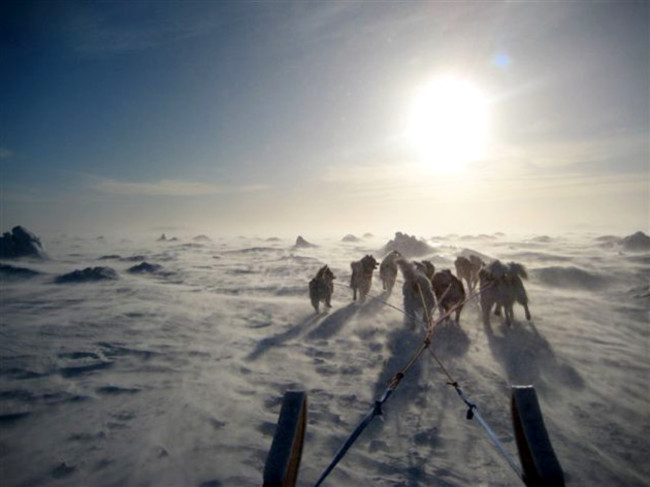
point(172, 373)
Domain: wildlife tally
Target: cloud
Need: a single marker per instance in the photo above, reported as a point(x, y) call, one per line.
point(169, 187)
point(96, 29)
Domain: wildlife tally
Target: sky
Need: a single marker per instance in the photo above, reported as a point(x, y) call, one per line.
point(276, 118)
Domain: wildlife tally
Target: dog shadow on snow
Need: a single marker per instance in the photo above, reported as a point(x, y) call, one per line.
point(333, 322)
point(449, 342)
point(529, 359)
point(266, 344)
point(412, 407)
point(330, 324)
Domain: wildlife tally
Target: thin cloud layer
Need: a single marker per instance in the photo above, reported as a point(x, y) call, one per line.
point(170, 187)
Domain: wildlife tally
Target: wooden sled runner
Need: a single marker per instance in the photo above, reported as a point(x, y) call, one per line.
point(283, 461)
point(540, 466)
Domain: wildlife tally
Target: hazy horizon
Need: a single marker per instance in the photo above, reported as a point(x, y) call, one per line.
point(329, 118)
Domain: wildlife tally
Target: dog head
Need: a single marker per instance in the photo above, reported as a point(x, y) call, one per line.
point(328, 275)
point(325, 274)
point(369, 263)
point(476, 261)
point(516, 269)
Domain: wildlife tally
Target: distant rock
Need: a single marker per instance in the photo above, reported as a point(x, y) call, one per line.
point(350, 238)
point(89, 274)
point(481, 236)
point(368, 235)
point(202, 238)
point(11, 272)
point(110, 257)
point(407, 245)
point(20, 243)
point(608, 241)
point(608, 238)
point(145, 268)
point(301, 243)
point(542, 239)
point(273, 239)
point(636, 242)
point(162, 238)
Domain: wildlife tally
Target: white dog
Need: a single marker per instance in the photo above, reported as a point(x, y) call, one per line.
point(468, 269)
point(388, 270)
point(502, 285)
point(416, 289)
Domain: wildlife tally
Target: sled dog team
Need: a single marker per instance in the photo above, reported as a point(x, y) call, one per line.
point(500, 285)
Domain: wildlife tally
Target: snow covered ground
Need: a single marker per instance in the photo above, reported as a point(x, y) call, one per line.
point(175, 377)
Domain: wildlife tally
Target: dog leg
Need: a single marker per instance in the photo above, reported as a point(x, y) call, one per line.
point(510, 314)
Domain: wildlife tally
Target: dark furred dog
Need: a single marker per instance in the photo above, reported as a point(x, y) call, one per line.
point(449, 292)
point(361, 279)
point(321, 288)
point(502, 285)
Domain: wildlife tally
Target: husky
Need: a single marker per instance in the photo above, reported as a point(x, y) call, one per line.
point(502, 286)
point(468, 269)
point(388, 270)
point(449, 292)
point(321, 288)
point(416, 291)
point(427, 268)
point(361, 279)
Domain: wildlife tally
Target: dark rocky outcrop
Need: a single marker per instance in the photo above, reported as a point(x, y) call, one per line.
point(301, 243)
point(407, 245)
point(636, 242)
point(20, 242)
point(145, 268)
point(89, 274)
point(11, 272)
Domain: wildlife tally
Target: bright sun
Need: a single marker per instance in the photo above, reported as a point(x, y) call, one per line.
point(448, 123)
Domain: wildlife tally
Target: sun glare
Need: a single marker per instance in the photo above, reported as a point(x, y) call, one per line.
point(447, 124)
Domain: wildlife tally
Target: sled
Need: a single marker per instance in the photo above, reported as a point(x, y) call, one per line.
point(540, 466)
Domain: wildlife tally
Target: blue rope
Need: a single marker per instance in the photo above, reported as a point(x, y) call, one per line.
point(473, 413)
point(375, 411)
